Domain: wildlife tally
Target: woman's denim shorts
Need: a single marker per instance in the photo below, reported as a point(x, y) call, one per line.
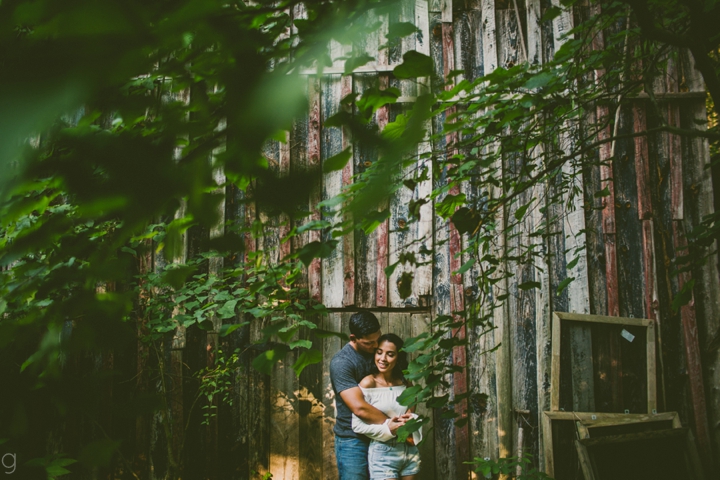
point(392, 459)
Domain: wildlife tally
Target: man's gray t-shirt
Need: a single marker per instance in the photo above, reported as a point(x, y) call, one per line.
point(347, 368)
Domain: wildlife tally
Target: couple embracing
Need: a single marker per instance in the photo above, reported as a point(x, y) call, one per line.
point(366, 375)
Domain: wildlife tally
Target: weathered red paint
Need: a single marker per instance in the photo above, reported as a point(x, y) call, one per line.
point(692, 354)
point(606, 179)
point(462, 437)
point(676, 168)
point(313, 155)
point(382, 231)
point(642, 176)
point(642, 166)
point(348, 240)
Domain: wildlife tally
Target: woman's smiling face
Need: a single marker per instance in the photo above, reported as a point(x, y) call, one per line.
point(386, 356)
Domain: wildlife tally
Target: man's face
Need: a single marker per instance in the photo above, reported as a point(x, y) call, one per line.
point(367, 344)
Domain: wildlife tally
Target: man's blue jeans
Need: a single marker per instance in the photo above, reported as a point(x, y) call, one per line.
point(352, 458)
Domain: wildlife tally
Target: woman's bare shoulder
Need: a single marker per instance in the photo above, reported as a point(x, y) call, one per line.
point(368, 382)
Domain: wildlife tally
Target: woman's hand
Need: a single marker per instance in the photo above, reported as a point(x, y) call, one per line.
point(395, 423)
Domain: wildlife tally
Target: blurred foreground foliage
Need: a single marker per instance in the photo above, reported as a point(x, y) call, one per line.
point(116, 118)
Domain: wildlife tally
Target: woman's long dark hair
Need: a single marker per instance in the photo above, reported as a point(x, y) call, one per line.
point(402, 361)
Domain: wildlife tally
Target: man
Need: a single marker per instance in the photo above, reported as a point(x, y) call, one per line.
point(350, 365)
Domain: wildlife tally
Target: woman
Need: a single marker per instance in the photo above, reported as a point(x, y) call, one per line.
point(387, 457)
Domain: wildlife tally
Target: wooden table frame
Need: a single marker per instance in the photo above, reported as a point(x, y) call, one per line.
point(590, 420)
point(691, 455)
point(558, 317)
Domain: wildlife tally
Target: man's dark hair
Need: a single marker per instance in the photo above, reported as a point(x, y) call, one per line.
point(363, 323)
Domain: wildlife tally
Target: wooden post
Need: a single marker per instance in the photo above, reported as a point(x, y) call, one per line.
point(314, 162)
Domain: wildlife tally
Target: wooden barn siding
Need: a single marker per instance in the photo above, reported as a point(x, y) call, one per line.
point(659, 188)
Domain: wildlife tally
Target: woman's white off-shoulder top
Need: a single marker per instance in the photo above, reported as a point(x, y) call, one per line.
point(385, 400)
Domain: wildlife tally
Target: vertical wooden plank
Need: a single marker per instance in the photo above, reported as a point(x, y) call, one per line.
point(403, 238)
point(311, 411)
point(310, 408)
point(444, 433)
point(699, 202)
point(573, 247)
point(561, 24)
point(500, 316)
point(421, 323)
point(446, 11)
point(645, 212)
point(555, 367)
point(365, 244)
point(489, 38)
point(651, 370)
point(333, 266)
point(283, 435)
point(331, 345)
point(692, 354)
point(521, 307)
point(508, 34)
point(602, 118)
point(537, 223)
point(534, 33)
point(348, 240)
point(284, 420)
point(422, 39)
point(382, 236)
point(406, 13)
point(314, 162)
point(457, 304)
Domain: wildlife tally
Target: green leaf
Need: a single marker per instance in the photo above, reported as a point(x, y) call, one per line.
point(466, 266)
point(415, 64)
point(529, 285)
point(684, 296)
point(605, 192)
point(374, 98)
point(466, 220)
point(227, 310)
point(314, 225)
point(227, 329)
point(176, 277)
point(446, 208)
point(401, 29)
point(520, 212)
point(408, 395)
point(264, 362)
point(404, 285)
point(337, 162)
point(540, 80)
point(564, 284)
point(390, 269)
point(55, 471)
point(572, 263)
point(307, 357)
point(357, 61)
point(300, 343)
point(551, 14)
point(316, 250)
point(206, 325)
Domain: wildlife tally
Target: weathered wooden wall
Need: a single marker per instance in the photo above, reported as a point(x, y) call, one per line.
point(659, 189)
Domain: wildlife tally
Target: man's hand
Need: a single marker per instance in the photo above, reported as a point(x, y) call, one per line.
point(395, 423)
